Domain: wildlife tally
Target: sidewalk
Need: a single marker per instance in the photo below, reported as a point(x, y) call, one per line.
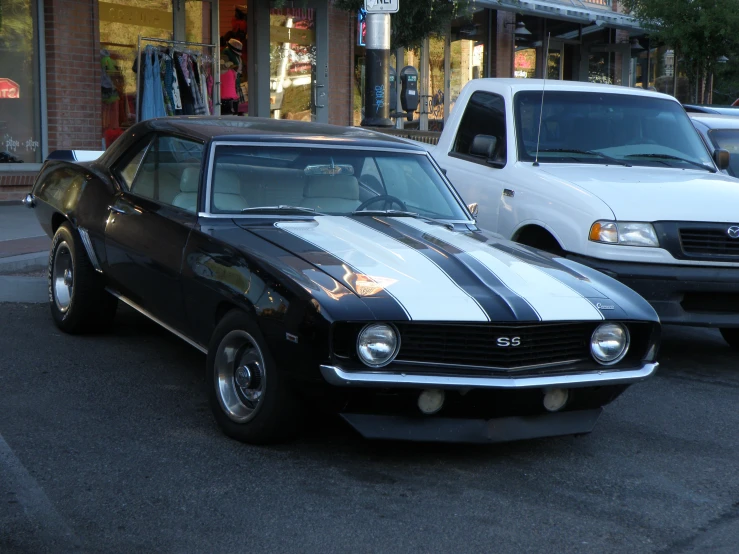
point(24, 254)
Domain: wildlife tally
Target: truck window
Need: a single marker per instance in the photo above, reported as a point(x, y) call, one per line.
point(484, 115)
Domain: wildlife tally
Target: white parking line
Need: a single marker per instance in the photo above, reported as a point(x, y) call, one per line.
point(50, 526)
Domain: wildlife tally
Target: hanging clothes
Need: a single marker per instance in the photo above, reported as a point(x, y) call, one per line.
point(198, 103)
point(203, 87)
point(159, 107)
point(148, 109)
point(183, 78)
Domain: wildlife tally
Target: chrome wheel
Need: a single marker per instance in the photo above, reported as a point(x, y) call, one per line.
point(240, 376)
point(62, 277)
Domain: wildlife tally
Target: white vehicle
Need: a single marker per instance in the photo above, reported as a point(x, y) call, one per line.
point(623, 184)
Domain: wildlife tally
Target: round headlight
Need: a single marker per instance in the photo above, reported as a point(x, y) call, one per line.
point(609, 343)
point(378, 344)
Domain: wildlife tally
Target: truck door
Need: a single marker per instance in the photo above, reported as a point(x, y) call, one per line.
point(477, 162)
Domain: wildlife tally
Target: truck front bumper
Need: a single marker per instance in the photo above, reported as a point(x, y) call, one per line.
point(705, 296)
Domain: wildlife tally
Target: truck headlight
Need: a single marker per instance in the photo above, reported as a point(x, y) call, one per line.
point(378, 344)
point(627, 233)
point(609, 343)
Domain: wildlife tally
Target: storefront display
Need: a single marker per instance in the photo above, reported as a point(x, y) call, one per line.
point(234, 75)
point(20, 108)
point(176, 80)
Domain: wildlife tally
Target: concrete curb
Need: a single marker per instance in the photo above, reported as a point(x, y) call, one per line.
point(24, 262)
point(23, 289)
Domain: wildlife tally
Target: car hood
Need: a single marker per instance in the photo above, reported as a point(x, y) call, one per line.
point(654, 193)
point(405, 268)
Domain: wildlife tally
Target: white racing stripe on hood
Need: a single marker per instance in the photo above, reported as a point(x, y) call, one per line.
point(550, 297)
point(425, 291)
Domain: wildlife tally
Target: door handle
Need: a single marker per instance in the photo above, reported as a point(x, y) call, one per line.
point(117, 210)
point(508, 192)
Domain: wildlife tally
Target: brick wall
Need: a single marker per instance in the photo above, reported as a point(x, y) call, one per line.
point(340, 66)
point(502, 64)
point(15, 187)
point(72, 84)
point(73, 74)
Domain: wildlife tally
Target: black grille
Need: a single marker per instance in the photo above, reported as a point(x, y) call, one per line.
point(708, 242)
point(477, 345)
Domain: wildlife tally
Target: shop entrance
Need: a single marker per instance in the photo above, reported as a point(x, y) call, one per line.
point(280, 57)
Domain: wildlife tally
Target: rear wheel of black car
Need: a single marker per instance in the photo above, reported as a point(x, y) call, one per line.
point(731, 335)
point(250, 398)
point(77, 296)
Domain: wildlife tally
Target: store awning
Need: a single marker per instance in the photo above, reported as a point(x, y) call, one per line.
point(567, 10)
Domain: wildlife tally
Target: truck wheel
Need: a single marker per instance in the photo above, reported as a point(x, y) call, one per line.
point(77, 296)
point(250, 398)
point(731, 335)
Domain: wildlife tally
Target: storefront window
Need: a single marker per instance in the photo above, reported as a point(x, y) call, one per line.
point(234, 68)
point(121, 24)
point(525, 66)
point(468, 52)
point(292, 57)
point(20, 110)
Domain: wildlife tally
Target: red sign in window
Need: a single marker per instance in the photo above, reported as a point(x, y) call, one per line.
point(9, 89)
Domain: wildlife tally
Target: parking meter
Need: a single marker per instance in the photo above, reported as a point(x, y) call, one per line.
point(393, 91)
point(409, 98)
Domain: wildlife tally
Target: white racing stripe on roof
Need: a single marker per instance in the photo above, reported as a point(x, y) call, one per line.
point(419, 285)
point(550, 297)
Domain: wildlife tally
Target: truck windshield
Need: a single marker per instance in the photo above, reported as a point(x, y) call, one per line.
point(591, 127)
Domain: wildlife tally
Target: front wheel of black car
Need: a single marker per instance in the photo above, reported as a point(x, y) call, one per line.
point(249, 397)
point(77, 296)
point(731, 335)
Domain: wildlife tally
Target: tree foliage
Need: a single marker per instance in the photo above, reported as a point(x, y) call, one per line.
point(701, 31)
point(416, 20)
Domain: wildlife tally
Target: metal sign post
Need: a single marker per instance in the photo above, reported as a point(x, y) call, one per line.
point(377, 71)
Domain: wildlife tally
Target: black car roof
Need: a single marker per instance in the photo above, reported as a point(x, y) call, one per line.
point(234, 128)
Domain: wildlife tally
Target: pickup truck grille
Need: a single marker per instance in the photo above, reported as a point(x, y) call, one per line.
point(473, 345)
point(708, 242)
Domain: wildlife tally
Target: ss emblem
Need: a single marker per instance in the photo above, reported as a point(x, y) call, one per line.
point(509, 341)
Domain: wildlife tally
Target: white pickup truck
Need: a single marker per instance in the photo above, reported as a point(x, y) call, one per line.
point(623, 184)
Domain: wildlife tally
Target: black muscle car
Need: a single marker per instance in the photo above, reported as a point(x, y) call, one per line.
point(323, 267)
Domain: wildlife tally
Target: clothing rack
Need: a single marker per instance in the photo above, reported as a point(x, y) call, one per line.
point(215, 61)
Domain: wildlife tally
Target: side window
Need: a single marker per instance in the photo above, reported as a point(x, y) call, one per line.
point(128, 166)
point(170, 172)
point(482, 129)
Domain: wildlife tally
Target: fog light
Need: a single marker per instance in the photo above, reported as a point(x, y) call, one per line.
point(431, 401)
point(555, 399)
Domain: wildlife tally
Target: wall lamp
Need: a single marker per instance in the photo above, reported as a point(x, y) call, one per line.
point(521, 30)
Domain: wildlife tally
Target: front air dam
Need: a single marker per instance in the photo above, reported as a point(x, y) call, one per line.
point(445, 429)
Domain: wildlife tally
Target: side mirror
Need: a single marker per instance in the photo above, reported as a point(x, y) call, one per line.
point(474, 209)
point(483, 146)
point(722, 158)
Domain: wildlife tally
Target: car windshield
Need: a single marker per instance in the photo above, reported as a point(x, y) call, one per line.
point(728, 139)
point(591, 127)
point(282, 180)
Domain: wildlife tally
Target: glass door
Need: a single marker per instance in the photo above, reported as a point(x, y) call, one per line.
point(294, 91)
point(555, 58)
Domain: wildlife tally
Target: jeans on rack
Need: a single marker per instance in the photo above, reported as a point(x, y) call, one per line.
point(148, 108)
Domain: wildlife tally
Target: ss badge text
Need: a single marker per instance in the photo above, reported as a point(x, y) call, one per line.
point(509, 341)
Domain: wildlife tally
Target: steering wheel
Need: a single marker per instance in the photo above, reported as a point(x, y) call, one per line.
point(389, 201)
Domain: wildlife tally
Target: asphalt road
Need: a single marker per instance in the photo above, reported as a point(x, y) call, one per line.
point(107, 445)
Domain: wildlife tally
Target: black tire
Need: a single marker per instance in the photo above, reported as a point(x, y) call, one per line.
point(731, 335)
point(275, 415)
point(85, 306)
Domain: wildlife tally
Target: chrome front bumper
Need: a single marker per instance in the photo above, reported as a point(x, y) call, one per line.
point(341, 378)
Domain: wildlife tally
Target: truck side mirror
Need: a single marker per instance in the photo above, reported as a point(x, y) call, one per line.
point(722, 158)
point(483, 146)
